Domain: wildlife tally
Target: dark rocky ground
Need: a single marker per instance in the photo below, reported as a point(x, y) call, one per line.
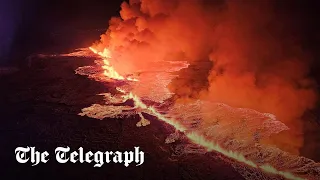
point(39, 107)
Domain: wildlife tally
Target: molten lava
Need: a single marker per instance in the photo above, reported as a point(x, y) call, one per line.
point(108, 69)
point(199, 137)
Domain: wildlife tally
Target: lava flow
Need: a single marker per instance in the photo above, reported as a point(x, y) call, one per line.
point(194, 136)
point(222, 73)
point(108, 69)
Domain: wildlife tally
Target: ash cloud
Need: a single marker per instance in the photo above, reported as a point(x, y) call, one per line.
point(253, 52)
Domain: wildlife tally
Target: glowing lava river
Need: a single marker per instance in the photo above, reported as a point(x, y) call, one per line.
point(232, 132)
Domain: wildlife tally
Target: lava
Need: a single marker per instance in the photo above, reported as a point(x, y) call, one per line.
point(193, 136)
point(108, 69)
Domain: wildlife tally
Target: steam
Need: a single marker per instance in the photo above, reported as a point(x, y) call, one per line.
point(241, 54)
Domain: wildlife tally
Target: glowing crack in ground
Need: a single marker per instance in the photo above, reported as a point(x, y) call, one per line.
point(233, 132)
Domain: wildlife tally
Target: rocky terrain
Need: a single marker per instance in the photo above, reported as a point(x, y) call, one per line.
point(39, 107)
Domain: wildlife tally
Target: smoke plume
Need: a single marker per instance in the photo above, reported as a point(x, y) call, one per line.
point(242, 53)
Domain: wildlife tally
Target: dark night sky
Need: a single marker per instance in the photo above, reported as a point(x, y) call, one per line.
point(27, 25)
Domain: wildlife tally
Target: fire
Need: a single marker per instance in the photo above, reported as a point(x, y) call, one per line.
point(192, 136)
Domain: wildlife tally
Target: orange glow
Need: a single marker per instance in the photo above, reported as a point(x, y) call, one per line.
point(109, 71)
point(194, 137)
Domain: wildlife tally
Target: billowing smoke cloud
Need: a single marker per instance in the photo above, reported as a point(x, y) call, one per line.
point(259, 65)
point(156, 31)
point(241, 53)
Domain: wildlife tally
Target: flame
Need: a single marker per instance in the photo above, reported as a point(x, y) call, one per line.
point(192, 136)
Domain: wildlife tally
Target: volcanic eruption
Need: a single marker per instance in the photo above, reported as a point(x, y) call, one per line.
point(226, 75)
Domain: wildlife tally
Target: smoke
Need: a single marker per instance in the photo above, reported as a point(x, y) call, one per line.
point(242, 53)
point(258, 64)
